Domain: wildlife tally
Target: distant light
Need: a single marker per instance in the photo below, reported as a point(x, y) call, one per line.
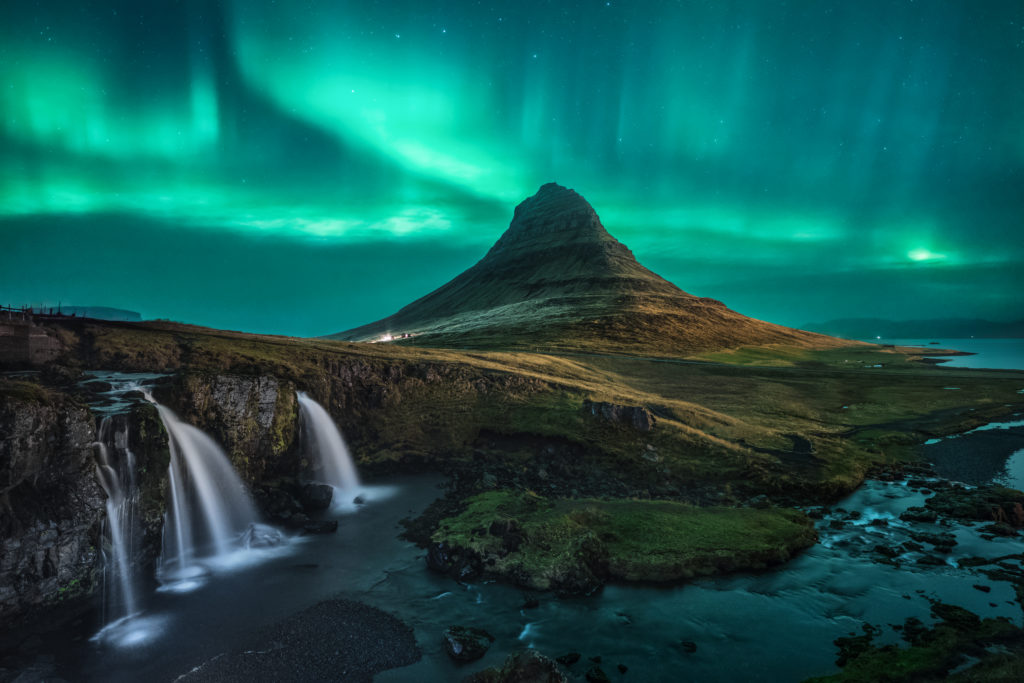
point(924, 255)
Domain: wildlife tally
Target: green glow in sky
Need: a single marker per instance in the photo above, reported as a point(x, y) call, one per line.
point(750, 151)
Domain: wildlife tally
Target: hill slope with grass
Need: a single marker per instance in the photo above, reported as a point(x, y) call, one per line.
point(558, 281)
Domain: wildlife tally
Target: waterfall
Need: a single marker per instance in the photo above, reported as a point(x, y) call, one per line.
point(115, 469)
point(327, 446)
point(210, 509)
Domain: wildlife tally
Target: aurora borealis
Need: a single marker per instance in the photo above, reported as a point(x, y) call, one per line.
point(305, 167)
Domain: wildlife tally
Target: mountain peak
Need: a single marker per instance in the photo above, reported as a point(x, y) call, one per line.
point(554, 215)
point(557, 280)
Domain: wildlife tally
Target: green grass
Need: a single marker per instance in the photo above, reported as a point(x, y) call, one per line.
point(627, 540)
point(718, 424)
point(19, 390)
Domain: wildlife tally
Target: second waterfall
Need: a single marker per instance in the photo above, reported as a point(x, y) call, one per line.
point(328, 449)
point(210, 509)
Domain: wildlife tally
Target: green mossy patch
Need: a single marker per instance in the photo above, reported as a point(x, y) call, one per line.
point(19, 390)
point(571, 545)
point(932, 653)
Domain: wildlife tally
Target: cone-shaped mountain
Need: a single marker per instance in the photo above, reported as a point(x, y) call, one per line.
point(556, 280)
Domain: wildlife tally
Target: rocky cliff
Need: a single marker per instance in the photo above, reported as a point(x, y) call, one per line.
point(50, 503)
point(52, 508)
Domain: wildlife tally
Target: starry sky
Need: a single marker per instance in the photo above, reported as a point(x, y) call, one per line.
point(302, 167)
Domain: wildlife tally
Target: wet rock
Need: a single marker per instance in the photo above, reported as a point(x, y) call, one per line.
point(998, 529)
point(931, 561)
point(622, 668)
point(887, 551)
point(982, 587)
point(97, 386)
point(262, 536)
point(688, 646)
point(278, 504)
point(943, 542)
point(465, 643)
point(316, 497)
point(359, 500)
point(982, 504)
point(919, 514)
point(526, 666)
point(596, 674)
point(879, 522)
point(569, 658)
point(459, 563)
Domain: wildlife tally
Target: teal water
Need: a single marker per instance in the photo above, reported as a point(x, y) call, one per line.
point(993, 354)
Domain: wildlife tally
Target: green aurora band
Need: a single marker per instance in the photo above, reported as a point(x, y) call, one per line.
point(305, 167)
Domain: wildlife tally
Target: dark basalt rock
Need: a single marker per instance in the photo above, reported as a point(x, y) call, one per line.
point(919, 514)
point(569, 658)
point(596, 674)
point(461, 564)
point(688, 646)
point(982, 504)
point(637, 417)
point(52, 505)
point(943, 542)
point(526, 666)
point(316, 497)
point(466, 643)
point(998, 529)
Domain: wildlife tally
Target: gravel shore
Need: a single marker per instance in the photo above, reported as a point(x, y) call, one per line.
point(335, 640)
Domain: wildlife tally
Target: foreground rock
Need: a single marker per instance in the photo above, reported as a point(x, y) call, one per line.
point(336, 640)
point(957, 638)
point(527, 666)
point(465, 643)
point(51, 506)
point(573, 546)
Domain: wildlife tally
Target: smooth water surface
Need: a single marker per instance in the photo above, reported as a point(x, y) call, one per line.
point(741, 624)
point(993, 354)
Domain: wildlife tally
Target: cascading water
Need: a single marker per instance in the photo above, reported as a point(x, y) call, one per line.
point(210, 509)
point(327, 446)
point(115, 468)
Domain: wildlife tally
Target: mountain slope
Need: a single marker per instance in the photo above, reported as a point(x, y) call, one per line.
point(556, 280)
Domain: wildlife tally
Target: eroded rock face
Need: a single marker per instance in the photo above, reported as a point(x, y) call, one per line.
point(51, 505)
point(255, 418)
point(637, 417)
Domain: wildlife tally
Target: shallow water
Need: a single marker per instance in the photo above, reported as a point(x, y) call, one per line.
point(1002, 354)
point(773, 625)
point(742, 624)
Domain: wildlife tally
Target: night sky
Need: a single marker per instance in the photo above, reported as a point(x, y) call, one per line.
point(303, 167)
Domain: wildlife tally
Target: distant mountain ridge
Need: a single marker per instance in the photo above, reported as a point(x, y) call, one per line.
point(950, 328)
point(96, 312)
point(556, 279)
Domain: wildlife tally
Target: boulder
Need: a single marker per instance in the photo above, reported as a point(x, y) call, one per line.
point(526, 666)
point(316, 497)
point(465, 643)
point(637, 417)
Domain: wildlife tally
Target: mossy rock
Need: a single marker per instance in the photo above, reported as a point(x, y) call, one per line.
point(572, 546)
